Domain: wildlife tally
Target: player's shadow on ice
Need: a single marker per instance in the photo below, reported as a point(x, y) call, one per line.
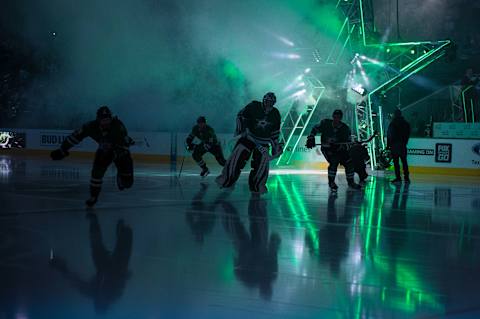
point(256, 251)
point(201, 215)
point(332, 240)
point(108, 283)
point(396, 220)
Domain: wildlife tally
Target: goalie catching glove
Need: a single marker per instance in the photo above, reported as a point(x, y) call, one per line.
point(277, 150)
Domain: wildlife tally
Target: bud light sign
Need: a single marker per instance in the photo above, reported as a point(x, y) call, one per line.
point(52, 139)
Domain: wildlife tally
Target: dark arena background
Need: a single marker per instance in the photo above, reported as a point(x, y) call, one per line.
point(167, 232)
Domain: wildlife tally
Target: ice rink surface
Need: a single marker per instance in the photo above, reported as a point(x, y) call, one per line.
point(182, 248)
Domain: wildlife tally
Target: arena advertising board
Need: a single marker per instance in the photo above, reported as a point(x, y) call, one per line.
point(452, 153)
point(51, 139)
point(12, 139)
point(145, 142)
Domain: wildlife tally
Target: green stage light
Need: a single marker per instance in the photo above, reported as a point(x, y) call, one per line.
point(412, 51)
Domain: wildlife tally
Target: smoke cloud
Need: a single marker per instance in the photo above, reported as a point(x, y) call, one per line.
point(159, 64)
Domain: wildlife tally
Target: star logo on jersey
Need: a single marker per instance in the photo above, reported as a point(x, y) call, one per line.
point(263, 123)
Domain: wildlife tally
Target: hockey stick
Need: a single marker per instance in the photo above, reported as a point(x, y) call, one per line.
point(181, 165)
point(351, 143)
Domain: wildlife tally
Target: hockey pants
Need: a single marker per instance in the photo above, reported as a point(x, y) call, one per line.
point(103, 159)
point(335, 158)
point(215, 150)
point(242, 152)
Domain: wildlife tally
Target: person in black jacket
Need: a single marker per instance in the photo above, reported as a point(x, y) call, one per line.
point(397, 139)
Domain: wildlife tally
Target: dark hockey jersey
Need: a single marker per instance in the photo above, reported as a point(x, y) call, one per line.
point(116, 137)
point(330, 134)
point(206, 135)
point(261, 127)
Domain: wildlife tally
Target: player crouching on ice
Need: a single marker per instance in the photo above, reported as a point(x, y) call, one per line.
point(113, 146)
point(335, 137)
point(208, 143)
point(258, 125)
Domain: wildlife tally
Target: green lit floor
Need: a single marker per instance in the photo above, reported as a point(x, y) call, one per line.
point(186, 249)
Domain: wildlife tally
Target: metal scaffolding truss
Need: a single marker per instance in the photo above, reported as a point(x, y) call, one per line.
point(458, 110)
point(298, 117)
point(358, 22)
point(403, 60)
point(301, 111)
point(411, 59)
point(399, 62)
point(468, 104)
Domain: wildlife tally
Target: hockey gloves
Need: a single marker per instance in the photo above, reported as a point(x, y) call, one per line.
point(310, 141)
point(129, 141)
point(190, 147)
point(58, 154)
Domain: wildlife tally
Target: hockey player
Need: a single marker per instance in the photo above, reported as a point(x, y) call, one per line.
point(258, 124)
point(208, 143)
point(359, 154)
point(335, 135)
point(113, 146)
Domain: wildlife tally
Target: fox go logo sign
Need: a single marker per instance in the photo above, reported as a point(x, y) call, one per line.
point(443, 153)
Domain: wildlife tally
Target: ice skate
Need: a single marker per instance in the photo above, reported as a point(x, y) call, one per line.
point(333, 187)
point(204, 172)
point(396, 181)
point(91, 201)
point(354, 185)
point(261, 190)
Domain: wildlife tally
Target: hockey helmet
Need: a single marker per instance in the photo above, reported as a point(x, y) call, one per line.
point(104, 112)
point(337, 113)
point(201, 119)
point(270, 96)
